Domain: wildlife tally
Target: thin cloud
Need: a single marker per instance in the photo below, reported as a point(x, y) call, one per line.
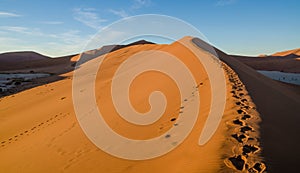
point(120, 13)
point(52, 22)
point(23, 30)
point(58, 44)
point(8, 14)
point(137, 4)
point(18, 29)
point(225, 2)
point(88, 17)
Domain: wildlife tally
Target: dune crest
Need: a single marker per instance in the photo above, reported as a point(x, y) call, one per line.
point(288, 52)
point(40, 131)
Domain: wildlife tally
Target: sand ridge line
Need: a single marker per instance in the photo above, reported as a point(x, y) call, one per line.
point(34, 129)
point(244, 129)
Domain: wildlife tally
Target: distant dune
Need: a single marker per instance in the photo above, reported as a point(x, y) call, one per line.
point(32, 61)
point(288, 52)
point(283, 62)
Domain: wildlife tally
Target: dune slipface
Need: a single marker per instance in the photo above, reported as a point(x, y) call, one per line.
point(40, 131)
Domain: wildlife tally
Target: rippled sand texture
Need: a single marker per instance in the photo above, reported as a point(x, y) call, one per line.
point(39, 131)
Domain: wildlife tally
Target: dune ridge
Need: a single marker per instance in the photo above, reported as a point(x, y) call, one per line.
point(42, 134)
point(288, 52)
point(278, 106)
point(244, 128)
point(53, 140)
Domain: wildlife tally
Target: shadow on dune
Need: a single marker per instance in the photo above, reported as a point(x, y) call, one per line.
point(288, 63)
point(279, 107)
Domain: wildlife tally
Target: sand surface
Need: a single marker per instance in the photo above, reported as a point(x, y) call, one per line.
point(288, 52)
point(278, 105)
point(286, 62)
point(40, 132)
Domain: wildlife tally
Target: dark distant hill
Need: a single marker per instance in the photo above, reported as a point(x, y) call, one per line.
point(29, 61)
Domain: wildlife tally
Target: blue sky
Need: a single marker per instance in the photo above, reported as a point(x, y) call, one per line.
point(61, 27)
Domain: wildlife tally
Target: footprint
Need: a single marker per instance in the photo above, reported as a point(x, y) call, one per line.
point(238, 122)
point(238, 162)
point(249, 149)
point(237, 97)
point(246, 116)
point(239, 138)
point(173, 119)
point(245, 129)
point(199, 85)
point(246, 107)
point(238, 103)
point(244, 100)
point(240, 111)
point(258, 167)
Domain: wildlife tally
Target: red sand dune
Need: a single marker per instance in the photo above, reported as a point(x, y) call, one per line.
point(32, 61)
point(288, 52)
point(278, 105)
point(40, 132)
point(286, 63)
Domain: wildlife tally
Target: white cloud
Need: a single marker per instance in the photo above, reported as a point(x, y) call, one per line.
point(69, 42)
point(107, 37)
point(88, 17)
point(57, 44)
point(137, 4)
point(8, 14)
point(225, 2)
point(14, 28)
point(22, 30)
point(52, 22)
point(120, 13)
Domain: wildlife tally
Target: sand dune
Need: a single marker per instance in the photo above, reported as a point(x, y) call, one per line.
point(257, 132)
point(289, 63)
point(278, 105)
point(34, 62)
point(288, 52)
